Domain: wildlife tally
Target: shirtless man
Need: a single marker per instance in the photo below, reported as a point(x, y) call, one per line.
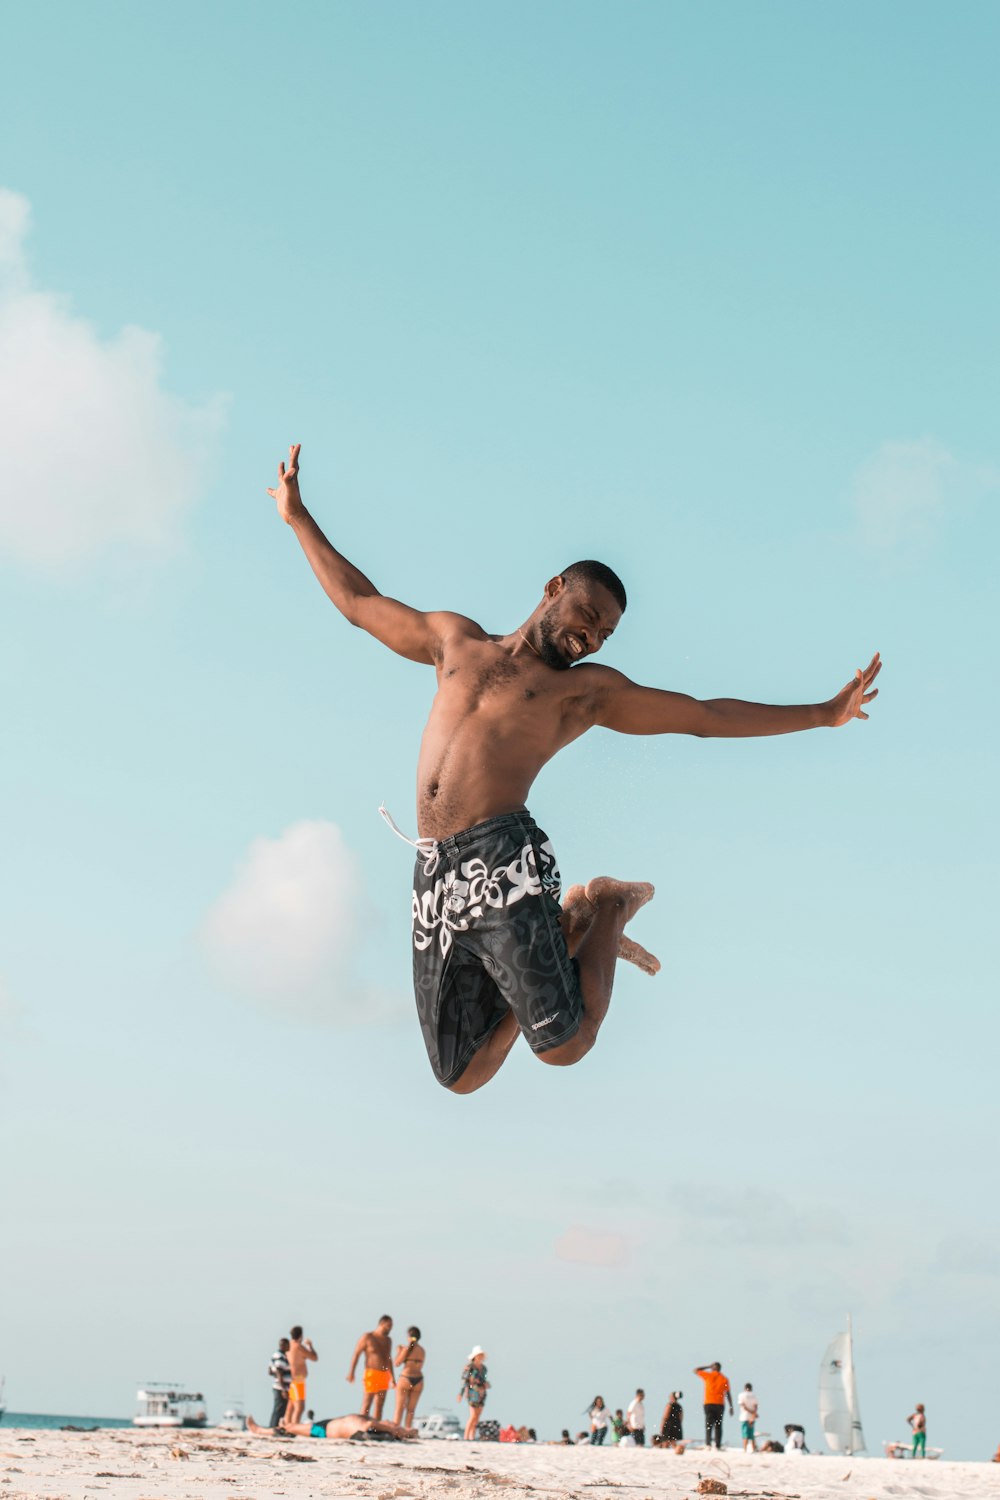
point(377, 1350)
point(300, 1352)
point(341, 1428)
point(410, 1356)
point(494, 957)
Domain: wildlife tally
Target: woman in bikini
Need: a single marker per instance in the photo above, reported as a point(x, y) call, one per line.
point(411, 1377)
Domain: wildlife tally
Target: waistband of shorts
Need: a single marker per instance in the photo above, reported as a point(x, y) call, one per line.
point(465, 837)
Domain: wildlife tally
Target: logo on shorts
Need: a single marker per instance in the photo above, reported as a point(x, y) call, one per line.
point(537, 1025)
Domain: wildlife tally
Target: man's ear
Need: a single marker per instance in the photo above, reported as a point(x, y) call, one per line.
point(555, 586)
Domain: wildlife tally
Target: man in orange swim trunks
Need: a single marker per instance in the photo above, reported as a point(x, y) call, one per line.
point(300, 1351)
point(376, 1347)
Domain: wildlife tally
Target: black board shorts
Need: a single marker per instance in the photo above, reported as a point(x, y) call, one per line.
point(487, 942)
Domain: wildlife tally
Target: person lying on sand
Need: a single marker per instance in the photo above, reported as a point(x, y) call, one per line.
point(340, 1428)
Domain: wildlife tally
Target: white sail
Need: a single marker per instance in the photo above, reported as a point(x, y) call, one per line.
point(839, 1416)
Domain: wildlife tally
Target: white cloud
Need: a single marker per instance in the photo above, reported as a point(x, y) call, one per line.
point(907, 491)
point(93, 451)
point(287, 933)
point(591, 1247)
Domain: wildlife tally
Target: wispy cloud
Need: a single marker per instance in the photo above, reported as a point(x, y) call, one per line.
point(287, 934)
point(965, 1255)
point(907, 491)
point(94, 451)
point(755, 1216)
point(592, 1247)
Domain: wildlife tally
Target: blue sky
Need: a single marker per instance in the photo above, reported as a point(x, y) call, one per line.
point(707, 291)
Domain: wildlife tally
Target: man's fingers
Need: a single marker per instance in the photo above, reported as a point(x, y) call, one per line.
point(860, 715)
point(869, 696)
point(281, 470)
point(273, 494)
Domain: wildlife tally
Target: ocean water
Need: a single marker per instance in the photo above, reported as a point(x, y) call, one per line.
point(47, 1419)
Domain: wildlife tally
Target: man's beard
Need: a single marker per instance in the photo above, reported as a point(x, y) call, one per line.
point(549, 651)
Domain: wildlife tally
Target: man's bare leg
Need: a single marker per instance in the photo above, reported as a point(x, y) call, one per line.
point(377, 1405)
point(297, 1429)
point(616, 903)
point(489, 1057)
point(578, 913)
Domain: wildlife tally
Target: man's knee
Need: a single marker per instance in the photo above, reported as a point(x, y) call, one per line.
point(465, 1084)
point(568, 1053)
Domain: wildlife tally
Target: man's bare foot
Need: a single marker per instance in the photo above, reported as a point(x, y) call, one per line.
point(634, 953)
point(580, 911)
point(630, 894)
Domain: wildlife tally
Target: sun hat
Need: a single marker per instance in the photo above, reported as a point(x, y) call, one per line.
point(477, 1350)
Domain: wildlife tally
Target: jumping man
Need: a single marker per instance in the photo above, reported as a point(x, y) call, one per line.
point(494, 955)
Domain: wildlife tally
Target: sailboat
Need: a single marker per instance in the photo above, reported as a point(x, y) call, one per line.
point(839, 1416)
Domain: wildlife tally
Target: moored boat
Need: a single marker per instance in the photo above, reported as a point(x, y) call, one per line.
point(166, 1404)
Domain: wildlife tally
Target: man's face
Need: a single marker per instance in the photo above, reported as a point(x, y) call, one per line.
point(385, 1325)
point(576, 623)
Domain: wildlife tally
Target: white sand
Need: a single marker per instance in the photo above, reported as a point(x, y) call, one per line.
point(235, 1466)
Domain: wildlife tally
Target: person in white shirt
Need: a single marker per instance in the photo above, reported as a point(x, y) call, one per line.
point(747, 1403)
point(599, 1420)
point(636, 1418)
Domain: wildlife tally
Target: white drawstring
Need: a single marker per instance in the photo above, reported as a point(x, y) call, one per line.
point(426, 848)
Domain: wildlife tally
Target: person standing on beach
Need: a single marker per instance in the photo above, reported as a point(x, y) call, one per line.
point(748, 1405)
point(599, 1420)
point(377, 1350)
point(636, 1417)
point(918, 1421)
point(716, 1392)
point(300, 1352)
point(494, 955)
point(410, 1383)
point(280, 1372)
point(474, 1385)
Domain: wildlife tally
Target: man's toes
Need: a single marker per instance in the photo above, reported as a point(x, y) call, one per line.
point(631, 894)
point(634, 953)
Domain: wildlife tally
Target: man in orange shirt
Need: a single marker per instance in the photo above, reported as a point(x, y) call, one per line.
point(716, 1392)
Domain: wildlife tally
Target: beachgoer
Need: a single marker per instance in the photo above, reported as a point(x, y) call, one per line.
point(619, 1426)
point(410, 1382)
point(672, 1425)
point(635, 1416)
point(300, 1352)
point(918, 1421)
point(599, 1419)
point(795, 1438)
point(376, 1347)
point(474, 1385)
point(565, 1441)
point(748, 1405)
point(494, 957)
point(355, 1425)
point(280, 1372)
point(716, 1392)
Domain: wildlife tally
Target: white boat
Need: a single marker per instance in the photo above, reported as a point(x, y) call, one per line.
point(839, 1416)
point(166, 1404)
point(439, 1424)
point(234, 1419)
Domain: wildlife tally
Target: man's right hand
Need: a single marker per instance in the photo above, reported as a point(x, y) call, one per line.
point(286, 494)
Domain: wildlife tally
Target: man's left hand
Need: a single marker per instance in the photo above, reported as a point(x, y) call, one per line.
point(849, 702)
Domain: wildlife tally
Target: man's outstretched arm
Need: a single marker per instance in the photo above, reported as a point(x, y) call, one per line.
point(631, 709)
point(409, 632)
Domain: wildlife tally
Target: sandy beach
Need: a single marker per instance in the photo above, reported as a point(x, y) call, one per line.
point(214, 1465)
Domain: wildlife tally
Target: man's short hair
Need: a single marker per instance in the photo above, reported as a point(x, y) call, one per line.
point(283, 1343)
point(296, 1332)
point(590, 571)
point(385, 1318)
